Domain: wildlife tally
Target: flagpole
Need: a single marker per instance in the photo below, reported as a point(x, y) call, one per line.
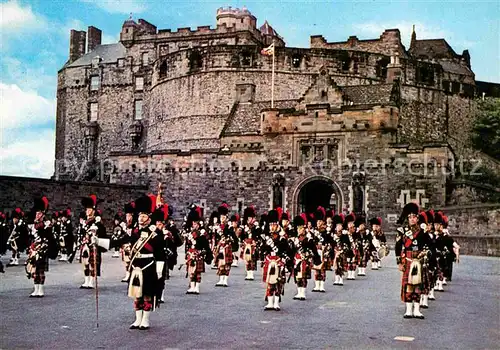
point(272, 80)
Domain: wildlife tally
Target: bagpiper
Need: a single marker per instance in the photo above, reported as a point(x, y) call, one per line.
point(42, 247)
point(378, 247)
point(118, 233)
point(445, 254)
point(324, 248)
point(214, 231)
point(412, 250)
point(342, 247)
point(223, 253)
point(306, 254)
point(95, 242)
point(249, 238)
point(147, 264)
point(18, 237)
point(276, 256)
point(365, 242)
point(197, 249)
point(353, 254)
point(66, 238)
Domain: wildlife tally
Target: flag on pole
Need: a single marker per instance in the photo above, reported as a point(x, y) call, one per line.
point(268, 51)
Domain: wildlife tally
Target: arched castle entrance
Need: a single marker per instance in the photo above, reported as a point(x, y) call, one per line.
point(317, 191)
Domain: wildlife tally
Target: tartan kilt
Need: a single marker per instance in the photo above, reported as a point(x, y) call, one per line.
point(199, 261)
point(406, 274)
point(341, 265)
point(252, 264)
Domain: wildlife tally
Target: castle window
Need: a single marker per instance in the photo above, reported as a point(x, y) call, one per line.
point(358, 194)
point(139, 83)
point(145, 59)
point(455, 87)
point(446, 85)
point(94, 83)
point(381, 68)
point(425, 75)
point(195, 60)
point(121, 62)
point(278, 191)
point(163, 69)
point(138, 110)
point(246, 59)
point(94, 109)
point(296, 61)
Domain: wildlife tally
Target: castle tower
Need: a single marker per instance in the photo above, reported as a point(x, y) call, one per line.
point(236, 18)
point(269, 35)
point(413, 38)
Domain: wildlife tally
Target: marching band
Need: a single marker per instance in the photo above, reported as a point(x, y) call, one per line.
point(147, 240)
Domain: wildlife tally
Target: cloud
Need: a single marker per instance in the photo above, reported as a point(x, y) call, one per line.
point(41, 77)
point(20, 108)
point(110, 39)
point(28, 153)
point(119, 6)
point(17, 18)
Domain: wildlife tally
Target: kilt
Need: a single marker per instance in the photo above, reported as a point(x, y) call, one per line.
point(151, 285)
point(340, 265)
point(228, 256)
point(409, 292)
point(277, 289)
point(193, 257)
point(251, 265)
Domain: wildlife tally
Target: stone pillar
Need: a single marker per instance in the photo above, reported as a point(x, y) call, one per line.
point(77, 41)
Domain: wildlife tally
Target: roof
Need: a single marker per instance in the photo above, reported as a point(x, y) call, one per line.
point(108, 53)
point(246, 119)
point(432, 48)
point(266, 29)
point(455, 67)
point(369, 94)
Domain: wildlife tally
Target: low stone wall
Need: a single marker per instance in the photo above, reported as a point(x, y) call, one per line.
point(20, 192)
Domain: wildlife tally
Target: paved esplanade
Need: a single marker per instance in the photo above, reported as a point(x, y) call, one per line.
point(365, 314)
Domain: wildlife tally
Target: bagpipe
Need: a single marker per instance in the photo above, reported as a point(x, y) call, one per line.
point(301, 260)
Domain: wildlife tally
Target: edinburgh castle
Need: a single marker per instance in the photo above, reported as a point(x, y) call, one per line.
point(361, 125)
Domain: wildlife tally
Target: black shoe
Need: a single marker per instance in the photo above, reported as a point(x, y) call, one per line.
point(302, 298)
point(161, 302)
point(419, 317)
point(142, 328)
point(407, 316)
point(133, 327)
point(424, 306)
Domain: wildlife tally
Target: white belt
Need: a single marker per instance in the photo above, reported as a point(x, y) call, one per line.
point(139, 256)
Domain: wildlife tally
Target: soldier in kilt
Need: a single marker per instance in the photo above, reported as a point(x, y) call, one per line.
point(43, 245)
point(249, 239)
point(306, 254)
point(364, 242)
point(277, 255)
point(95, 242)
point(19, 236)
point(197, 250)
point(412, 251)
point(342, 246)
point(324, 249)
point(353, 254)
point(147, 264)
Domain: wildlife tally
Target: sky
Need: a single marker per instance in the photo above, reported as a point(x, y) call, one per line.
point(34, 45)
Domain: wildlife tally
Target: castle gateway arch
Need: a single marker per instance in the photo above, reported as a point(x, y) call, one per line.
point(317, 191)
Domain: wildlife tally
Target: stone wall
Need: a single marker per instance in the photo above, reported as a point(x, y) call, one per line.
point(20, 192)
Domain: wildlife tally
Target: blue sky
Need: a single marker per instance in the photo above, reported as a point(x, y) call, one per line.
point(34, 44)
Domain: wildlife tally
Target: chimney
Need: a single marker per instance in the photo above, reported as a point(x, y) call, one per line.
point(77, 40)
point(95, 36)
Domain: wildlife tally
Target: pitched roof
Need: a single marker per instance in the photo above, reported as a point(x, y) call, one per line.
point(432, 48)
point(108, 53)
point(266, 29)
